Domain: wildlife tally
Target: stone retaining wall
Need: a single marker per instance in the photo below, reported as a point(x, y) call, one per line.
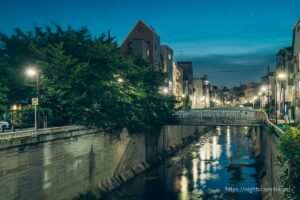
point(268, 167)
point(62, 164)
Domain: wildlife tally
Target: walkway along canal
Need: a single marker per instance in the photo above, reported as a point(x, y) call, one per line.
point(216, 166)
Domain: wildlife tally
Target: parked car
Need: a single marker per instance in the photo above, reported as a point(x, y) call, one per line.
point(3, 125)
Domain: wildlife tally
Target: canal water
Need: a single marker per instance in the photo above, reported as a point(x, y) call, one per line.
point(200, 171)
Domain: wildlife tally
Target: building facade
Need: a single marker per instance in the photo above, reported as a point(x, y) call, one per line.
point(143, 43)
point(285, 84)
point(296, 62)
point(187, 76)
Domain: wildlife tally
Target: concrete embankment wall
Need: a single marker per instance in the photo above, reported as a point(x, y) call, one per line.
point(61, 164)
point(268, 167)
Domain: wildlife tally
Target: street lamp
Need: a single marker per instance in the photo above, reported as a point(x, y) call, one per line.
point(31, 72)
point(263, 92)
point(263, 88)
point(260, 94)
point(281, 77)
point(120, 80)
point(253, 100)
point(206, 88)
point(165, 90)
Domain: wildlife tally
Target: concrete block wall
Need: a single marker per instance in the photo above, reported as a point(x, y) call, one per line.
point(63, 165)
point(266, 145)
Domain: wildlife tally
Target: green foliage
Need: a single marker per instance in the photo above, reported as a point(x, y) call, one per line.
point(290, 161)
point(3, 101)
point(271, 130)
point(78, 82)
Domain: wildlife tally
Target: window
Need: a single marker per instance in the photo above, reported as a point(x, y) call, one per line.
point(169, 56)
point(298, 28)
point(129, 45)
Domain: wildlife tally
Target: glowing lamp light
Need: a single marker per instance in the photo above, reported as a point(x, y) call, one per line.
point(120, 80)
point(281, 76)
point(14, 107)
point(254, 98)
point(165, 90)
point(263, 89)
point(31, 72)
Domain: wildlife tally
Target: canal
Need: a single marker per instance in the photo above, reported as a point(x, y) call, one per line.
point(200, 171)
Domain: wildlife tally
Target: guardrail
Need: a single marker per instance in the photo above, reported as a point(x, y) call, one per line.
point(35, 133)
point(263, 117)
point(237, 114)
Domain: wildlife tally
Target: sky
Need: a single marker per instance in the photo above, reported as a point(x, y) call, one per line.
point(231, 41)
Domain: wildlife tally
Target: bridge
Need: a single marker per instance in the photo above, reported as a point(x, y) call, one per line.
point(220, 117)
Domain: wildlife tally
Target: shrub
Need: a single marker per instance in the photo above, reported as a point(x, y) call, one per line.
point(289, 147)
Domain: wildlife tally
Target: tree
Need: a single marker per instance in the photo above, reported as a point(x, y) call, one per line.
point(79, 82)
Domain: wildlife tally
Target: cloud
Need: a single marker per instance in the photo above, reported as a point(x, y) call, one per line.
point(228, 47)
point(232, 70)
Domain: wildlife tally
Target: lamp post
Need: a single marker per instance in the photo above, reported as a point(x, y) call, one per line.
point(120, 80)
point(281, 76)
point(183, 100)
point(206, 89)
point(260, 94)
point(263, 91)
point(253, 101)
point(31, 72)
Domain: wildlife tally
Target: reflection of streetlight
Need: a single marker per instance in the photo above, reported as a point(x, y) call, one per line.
point(31, 72)
point(281, 76)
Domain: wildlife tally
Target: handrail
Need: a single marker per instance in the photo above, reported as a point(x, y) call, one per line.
point(266, 120)
point(35, 133)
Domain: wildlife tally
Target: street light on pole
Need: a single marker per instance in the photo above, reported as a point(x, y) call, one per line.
point(206, 90)
point(165, 90)
point(253, 101)
point(31, 72)
point(281, 76)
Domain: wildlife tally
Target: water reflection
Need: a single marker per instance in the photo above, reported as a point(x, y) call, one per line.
point(199, 171)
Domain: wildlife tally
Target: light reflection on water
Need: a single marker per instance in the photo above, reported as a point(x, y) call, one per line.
point(198, 172)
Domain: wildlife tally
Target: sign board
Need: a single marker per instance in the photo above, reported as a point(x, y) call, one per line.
point(35, 101)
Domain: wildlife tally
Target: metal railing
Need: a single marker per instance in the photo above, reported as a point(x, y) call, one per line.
point(35, 133)
point(217, 114)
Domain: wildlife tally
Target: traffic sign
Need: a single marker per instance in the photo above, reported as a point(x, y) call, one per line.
point(35, 101)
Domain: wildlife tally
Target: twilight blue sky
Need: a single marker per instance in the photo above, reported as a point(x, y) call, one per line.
point(232, 41)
